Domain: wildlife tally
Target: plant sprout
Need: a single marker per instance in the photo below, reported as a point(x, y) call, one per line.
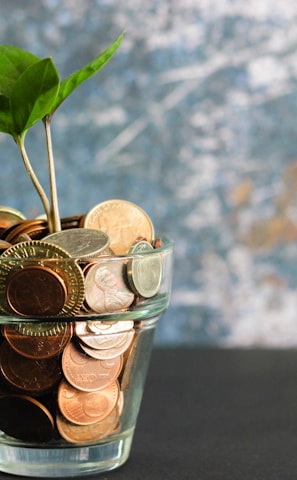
point(31, 91)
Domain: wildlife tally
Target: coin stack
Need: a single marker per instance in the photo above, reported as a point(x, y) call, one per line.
point(63, 378)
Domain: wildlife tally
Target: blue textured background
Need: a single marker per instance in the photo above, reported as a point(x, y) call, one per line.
point(194, 119)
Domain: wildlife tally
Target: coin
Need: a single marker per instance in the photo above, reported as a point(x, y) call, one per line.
point(42, 329)
point(87, 433)
point(103, 327)
point(122, 221)
point(111, 352)
point(25, 418)
point(9, 216)
point(144, 271)
point(35, 228)
point(105, 288)
point(35, 291)
point(51, 256)
point(80, 242)
point(86, 408)
point(37, 347)
point(34, 376)
point(99, 339)
point(86, 373)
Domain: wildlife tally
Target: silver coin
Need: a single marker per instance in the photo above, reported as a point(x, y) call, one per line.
point(80, 242)
point(144, 271)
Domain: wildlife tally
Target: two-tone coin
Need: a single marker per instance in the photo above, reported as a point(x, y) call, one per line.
point(54, 265)
point(122, 221)
point(86, 408)
point(38, 347)
point(144, 271)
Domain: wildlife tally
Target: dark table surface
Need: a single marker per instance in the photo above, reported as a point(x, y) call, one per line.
point(215, 414)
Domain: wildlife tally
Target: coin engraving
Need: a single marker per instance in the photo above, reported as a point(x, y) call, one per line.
point(86, 373)
point(86, 408)
point(106, 290)
point(122, 221)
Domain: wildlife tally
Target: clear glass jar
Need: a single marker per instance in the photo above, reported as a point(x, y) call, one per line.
point(74, 357)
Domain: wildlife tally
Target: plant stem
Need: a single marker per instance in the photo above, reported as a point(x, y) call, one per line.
point(20, 141)
point(55, 217)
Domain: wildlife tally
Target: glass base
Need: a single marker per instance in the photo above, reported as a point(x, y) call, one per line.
point(65, 462)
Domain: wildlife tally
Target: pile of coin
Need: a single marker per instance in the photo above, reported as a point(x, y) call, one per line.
point(66, 376)
point(58, 274)
point(66, 379)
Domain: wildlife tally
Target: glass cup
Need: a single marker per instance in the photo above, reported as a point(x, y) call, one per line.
point(75, 346)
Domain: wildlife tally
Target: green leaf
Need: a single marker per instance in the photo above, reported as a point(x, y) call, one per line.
point(13, 62)
point(33, 94)
point(6, 121)
point(77, 78)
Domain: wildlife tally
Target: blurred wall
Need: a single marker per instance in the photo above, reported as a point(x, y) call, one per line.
point(194, 119)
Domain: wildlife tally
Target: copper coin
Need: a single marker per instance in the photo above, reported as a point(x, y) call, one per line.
point(25, 418)
point(87, 433)
point(36, 291)
point(112, 352)
point(86, 373)
point(71, 222)
point(34, 376)
point(38, 347)
point(105, 287)
point(35, 228)
point(87, 408)
point(122, 221)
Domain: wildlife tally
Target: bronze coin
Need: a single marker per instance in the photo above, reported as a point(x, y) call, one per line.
point(86, 373)
point(87, 408)
point(35, 228)
point(25, 418)
point(35, 346)
point(87, 433)
point(36, 290)
point(34, 376)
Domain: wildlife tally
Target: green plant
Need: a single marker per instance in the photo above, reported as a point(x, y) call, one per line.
point(31, 91)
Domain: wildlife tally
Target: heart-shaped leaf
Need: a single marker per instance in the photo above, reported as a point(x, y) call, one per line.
point(33, 94)
point(77, 78)
point(13, 62)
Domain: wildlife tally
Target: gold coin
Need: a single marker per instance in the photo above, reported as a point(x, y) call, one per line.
point(144, 271)
point(122, 221)
point(38, 253)
point(80, 242)
point(9, 216)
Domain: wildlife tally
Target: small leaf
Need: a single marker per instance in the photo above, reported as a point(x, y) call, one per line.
point(6, 121)
point(13, 62)
point(33, 94)
point(77, 78)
